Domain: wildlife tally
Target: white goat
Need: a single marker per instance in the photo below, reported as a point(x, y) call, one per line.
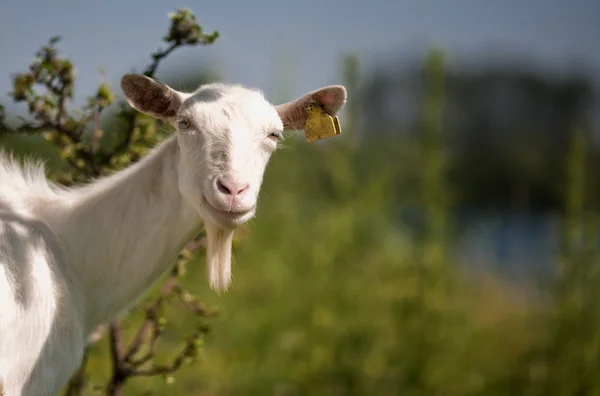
point(71, 259)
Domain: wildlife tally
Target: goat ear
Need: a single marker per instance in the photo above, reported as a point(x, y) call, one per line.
point(151, 97)
point(293, 114)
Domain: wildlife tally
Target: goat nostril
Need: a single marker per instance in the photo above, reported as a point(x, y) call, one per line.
point(223, 188)
point(242, 189)
point(232, 189)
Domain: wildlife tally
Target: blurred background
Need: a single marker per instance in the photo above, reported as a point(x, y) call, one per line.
point(445, 244)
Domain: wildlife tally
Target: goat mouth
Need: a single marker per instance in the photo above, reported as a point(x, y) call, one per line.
point(230, 216)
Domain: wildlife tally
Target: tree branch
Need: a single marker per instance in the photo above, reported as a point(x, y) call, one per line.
point(158, 56)
point(188, 351)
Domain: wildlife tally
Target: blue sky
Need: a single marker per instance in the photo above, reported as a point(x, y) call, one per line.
point(119, 35)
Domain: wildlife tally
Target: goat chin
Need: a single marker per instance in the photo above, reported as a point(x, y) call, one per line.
point(218, 256)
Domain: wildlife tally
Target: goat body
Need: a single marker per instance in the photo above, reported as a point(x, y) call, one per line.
point(72, 259)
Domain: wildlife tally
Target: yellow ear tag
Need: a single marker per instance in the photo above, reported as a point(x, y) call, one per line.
point(320, 125)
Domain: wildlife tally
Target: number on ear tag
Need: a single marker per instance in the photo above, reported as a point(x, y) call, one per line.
point(320, 125)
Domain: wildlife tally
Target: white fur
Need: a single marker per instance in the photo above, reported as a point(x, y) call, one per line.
point(71, 259)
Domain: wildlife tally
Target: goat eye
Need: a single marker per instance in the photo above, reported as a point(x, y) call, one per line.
point(275, 136)
point(183, 123)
